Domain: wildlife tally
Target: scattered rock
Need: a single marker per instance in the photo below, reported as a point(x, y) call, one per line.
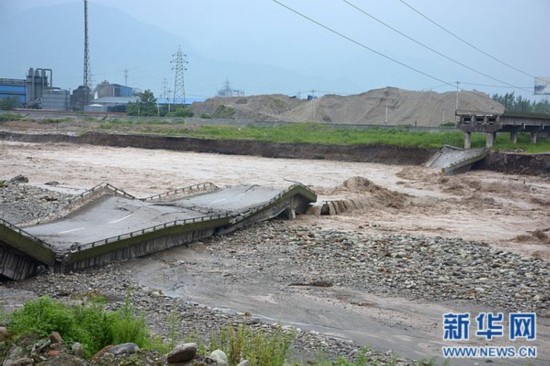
point(77, 349)
point(220, 357)
point(124, 349)
point(55, 338)
point(4, 334)
point(26, 361)
point(19, 179)
point(182, 353)
point(101, 353)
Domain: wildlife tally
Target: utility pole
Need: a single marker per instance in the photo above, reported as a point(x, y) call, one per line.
point(386, 120)
point(457, 83)
point(125, 77)
point(86, 74)
point(179, 60)
point(164, 87)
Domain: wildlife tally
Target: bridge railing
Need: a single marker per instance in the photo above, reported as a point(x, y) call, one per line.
point(79, 247)
point(234, 217)
point(24, 233)
point(201, 187)
point(251, 211)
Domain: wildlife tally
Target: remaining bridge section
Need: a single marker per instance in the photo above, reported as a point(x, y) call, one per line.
point(106, 224)
point(491, 124)
point(452, 160)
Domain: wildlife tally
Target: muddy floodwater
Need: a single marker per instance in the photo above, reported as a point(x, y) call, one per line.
point(277, 273)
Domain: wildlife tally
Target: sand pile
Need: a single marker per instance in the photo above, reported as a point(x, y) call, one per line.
point(404, 107)
point(359, 192)
point(256, 107)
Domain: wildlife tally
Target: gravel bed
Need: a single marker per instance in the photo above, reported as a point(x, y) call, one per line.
point(191, 319)
point(418, 267)
point(20, 203)
point(428, 268)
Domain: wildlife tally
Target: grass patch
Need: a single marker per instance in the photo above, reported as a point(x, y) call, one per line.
point(5, 117)
point(90, 325)
point(56, 120)
point(314, 133)
point(141, 121)
point(258, 346)
point(95, 328)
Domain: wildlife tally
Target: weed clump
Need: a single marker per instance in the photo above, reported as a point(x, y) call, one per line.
point(89, 324)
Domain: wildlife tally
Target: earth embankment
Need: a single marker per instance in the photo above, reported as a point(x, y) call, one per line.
point(515, 163)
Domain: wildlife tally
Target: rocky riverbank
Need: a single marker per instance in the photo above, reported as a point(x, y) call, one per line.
point(433, 269)
point(21, 202)
point(280, 263)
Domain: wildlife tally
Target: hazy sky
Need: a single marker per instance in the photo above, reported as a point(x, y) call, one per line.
point(263, 32)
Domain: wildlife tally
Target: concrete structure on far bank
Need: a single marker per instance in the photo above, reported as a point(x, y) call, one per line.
point(491, 124)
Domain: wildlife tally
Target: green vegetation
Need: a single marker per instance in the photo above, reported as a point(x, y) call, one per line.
point(146, 106)
point(94, 327)
point(90, 325)
point(258, 347)
point(9, 103)
point(321, 134)
point(224, 112)
point(4, 117)
point(56, 120)
point(519, 104)
point(180, 111)
point(145, 123)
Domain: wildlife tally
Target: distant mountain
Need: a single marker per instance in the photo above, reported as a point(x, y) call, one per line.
point(52, 37)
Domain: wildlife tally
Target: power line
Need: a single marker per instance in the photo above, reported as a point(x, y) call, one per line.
point(487, 85)
point(179, 60)
point(464, 41)
point(86, 79)
point(430, 48)
point(363, 45)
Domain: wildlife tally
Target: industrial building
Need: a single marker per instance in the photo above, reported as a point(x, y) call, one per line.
point(35, 91)
point(106, 89)
point(111, 98)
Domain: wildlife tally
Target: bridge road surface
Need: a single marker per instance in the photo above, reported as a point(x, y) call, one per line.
point(111, 216)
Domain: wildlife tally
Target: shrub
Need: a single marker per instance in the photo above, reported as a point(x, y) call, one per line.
point(223, 111)
point(90, 325)
point(5, 117)
point(126, 326)
point(259, 347)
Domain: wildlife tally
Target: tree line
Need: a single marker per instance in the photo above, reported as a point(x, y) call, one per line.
point(512, 103)
point(146, 105)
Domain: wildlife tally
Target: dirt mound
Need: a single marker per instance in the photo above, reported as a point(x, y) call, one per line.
point(415, 173)
point(358, 185)
point(257, 107)
point(365, 193)
point(541, 236)
point(401, 107)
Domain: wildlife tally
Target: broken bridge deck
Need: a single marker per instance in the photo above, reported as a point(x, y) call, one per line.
point(106, 224)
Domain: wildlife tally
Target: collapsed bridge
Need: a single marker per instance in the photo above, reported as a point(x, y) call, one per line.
point(106, 224)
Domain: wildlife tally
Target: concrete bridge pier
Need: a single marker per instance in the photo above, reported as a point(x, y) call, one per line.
point(467, 140)
point(533, 136)
point(514, 137)
point(490, 139)
point(490, 124)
